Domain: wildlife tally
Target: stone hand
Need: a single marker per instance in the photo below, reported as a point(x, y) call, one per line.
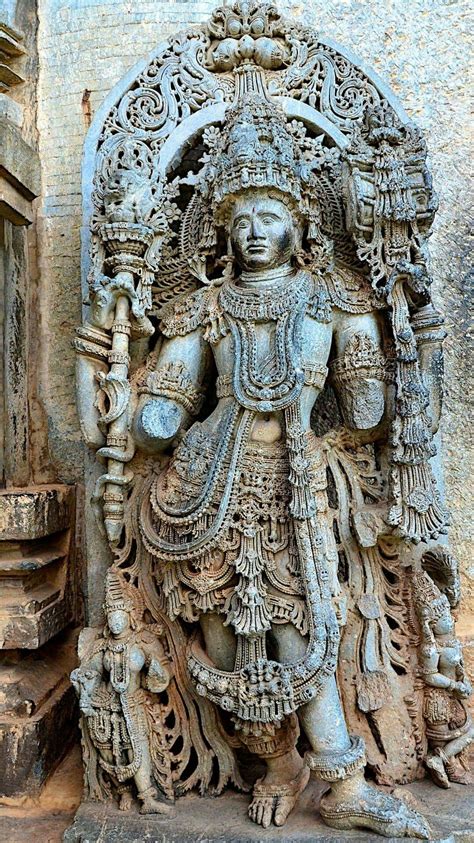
point(107, 291)
point(413, 274)
point(463, 690)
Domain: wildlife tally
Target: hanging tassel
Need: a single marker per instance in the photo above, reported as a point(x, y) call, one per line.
point(302, 504)
point(417, 513)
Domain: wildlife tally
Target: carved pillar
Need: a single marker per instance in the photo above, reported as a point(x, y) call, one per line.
point(37, 580)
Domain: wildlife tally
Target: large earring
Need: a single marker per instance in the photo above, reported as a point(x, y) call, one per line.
point(228, 261)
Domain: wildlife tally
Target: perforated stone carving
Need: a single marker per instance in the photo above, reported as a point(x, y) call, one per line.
point(259, 219)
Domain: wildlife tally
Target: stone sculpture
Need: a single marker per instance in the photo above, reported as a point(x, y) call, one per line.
point(269, 390)
point(121, 728)
point(448, 722)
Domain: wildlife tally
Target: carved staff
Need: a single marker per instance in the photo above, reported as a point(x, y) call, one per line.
point(391, 205)
point(125, 244)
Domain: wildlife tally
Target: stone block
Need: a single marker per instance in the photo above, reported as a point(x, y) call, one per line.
point(14, 206)
point(35, 581)
point(31, 513)
point(38, 715)
point(19, 163)
point(10, 41)
point(224, 819)
point(10, 110)
point(34, 602)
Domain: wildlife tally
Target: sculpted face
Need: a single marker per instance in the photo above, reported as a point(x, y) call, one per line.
point(118, 621)
point(262, 232)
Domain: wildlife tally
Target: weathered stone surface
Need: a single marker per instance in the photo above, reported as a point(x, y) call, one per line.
point(14, 206)
point(418, 48)
point(38, 720)
point(19, 163)
point(45, 816)
point(314, 194)
point(34, 512)
point(36, 582)
point(225, 820)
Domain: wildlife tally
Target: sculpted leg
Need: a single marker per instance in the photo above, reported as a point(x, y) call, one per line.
point(146, 789)
point(276, 793)
point(124, 789)
point(339, 759)
point(445, 764)
point(219, 640)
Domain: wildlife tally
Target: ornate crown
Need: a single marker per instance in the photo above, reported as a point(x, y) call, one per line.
point(431, 603)
point(255, 149)
point(121, 595)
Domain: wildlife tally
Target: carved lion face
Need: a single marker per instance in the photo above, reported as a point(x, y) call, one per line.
point(263, 232)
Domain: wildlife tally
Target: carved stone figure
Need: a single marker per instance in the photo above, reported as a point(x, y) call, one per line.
point(117, 678)
point(269, 391)
point(449, 726)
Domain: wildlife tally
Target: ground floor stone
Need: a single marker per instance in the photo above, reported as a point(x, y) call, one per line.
point(223, 819)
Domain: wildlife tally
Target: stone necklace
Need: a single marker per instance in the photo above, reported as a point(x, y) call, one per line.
point(284, 304)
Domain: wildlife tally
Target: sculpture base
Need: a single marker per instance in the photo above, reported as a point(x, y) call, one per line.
point(225, 819)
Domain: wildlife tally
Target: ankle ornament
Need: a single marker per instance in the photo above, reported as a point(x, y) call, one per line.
point(337, 766)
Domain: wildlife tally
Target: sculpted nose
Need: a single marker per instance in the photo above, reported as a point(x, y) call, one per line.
point(256, 229)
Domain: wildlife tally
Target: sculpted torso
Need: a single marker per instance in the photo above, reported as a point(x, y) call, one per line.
point(264, 237)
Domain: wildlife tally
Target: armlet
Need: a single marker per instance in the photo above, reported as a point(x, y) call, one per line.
point(362, 358)
point(173, 381)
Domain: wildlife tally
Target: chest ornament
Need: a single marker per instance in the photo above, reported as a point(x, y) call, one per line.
point(275, 382)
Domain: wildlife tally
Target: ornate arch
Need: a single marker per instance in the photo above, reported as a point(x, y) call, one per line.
point(186, 84)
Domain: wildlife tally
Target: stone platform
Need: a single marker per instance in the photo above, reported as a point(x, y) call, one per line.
point(205, 820)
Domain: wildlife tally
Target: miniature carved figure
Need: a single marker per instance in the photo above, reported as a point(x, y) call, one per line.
point(116, 682)
point(449, 726)
point(259, 229)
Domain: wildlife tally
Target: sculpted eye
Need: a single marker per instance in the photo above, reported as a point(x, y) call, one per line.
point(268, 219)
point(242, 223)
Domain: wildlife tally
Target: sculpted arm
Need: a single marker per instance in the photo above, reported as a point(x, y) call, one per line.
point(173, 394)
point(358, 370)
point(157, 667)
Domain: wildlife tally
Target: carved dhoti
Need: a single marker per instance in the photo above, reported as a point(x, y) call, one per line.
point(253, 577)
point(241, 528)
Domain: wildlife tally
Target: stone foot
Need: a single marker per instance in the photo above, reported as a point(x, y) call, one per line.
point(275, 802)
point(438, 772)
point(457, 773)
point(152, 806)
point(367, 807)
point(125, 801)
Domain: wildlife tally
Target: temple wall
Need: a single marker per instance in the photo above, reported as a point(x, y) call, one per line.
point(420, 50)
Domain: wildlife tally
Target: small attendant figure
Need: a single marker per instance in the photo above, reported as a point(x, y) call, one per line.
point(116, 682)
point(449, 726)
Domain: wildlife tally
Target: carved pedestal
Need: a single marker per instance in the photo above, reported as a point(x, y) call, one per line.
point(37, 704)
point(35, 586)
